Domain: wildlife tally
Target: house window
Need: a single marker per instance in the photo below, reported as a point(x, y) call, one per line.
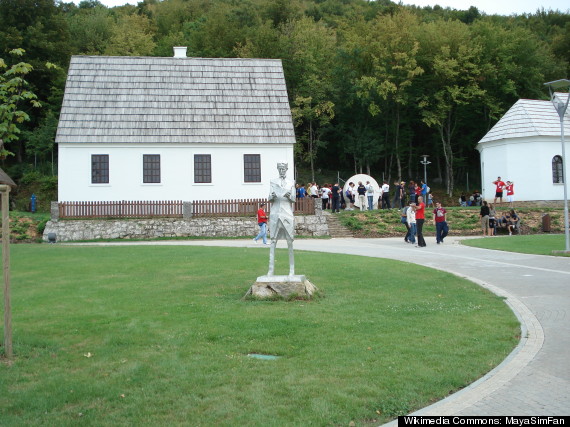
point(557, 170)
point(252, 167)
point(100, 169)
point(202, 168)
point(151, 168)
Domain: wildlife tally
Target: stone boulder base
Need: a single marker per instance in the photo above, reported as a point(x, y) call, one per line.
point(283, 286)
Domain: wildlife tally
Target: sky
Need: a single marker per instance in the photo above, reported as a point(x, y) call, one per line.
point(490, 7)
point(498, 7)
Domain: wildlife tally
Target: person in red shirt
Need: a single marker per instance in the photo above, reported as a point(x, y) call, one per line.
point(510, 187)
point(439, 217)
point(500, 185)
point(262, 222)
point(420, 219)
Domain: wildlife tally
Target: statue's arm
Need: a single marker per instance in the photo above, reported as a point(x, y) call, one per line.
point(291, 194)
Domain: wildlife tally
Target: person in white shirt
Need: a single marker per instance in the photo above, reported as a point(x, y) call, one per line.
point(411, 218)
point(370, 195)
point(385, 195)
point(314, 190)
point(325, 195)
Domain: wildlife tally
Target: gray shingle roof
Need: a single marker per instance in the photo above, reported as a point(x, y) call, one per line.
point(175, 100)
point(528, 118)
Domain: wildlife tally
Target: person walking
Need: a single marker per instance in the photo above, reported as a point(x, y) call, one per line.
point(411, 218)
point(492, 220)
point(420, 219)
point(262, 222)
point(404, 220)
point(484, 216)
point(440, 219)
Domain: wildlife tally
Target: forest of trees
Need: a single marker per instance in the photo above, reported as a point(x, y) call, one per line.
point(372, 85)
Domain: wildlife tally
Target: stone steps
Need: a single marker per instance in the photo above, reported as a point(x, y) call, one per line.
point(336, 229)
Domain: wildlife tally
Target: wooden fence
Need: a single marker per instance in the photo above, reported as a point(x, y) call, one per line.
point(121, 209)
point(244, 207)
point(172, 209)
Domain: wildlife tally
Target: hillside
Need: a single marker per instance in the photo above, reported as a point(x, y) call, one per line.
point(462, 221)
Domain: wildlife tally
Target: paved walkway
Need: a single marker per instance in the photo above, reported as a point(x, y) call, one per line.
point(535, 377)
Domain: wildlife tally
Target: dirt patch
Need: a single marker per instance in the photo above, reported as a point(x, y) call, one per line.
point(23, 230)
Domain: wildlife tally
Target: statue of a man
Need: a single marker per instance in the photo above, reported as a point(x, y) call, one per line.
point(281, 219)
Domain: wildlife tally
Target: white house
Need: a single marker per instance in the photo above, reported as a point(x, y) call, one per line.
point(178, 128)
point(525, 147)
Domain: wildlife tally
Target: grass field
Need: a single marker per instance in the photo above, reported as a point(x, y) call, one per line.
point(539, 244)
point(160, 335)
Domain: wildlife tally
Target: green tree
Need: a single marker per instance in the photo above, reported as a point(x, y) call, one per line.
point(308, 63)
point(310, 118)
point(451, 60)
point(90, 29)
point(14, 96)
point(389, 48)
point(133, 35)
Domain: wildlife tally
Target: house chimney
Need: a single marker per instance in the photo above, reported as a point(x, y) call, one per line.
point(180, 51)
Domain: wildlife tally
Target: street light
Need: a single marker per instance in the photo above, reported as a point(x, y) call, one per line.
point(560, 106)
point(425, 162)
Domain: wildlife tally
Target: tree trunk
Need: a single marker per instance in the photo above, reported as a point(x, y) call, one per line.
point(311, 157)
point(397, 143)
point(445, 134)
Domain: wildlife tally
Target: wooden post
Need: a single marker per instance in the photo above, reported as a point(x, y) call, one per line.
point(5, 191)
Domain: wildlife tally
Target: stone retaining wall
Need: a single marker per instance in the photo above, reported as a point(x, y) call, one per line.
point(71, 230)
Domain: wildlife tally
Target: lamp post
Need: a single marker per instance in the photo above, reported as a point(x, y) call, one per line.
point(425, 162)
point(560, 106)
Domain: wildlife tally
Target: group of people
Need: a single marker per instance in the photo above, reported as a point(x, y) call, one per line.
point(474, 200)
point(490, 221)
point(414, 216)
point(363, 195)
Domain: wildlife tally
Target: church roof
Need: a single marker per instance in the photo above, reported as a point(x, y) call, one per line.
point(175, 100)
point(527, 118)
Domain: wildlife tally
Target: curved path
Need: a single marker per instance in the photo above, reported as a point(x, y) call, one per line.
point(535, 378)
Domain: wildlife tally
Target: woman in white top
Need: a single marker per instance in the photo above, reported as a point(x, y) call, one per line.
point(411, 218)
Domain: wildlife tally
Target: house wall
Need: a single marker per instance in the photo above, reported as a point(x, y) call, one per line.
point(525, 161)
point(177, 171)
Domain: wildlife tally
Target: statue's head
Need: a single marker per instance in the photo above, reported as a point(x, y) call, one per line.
point(282, 168)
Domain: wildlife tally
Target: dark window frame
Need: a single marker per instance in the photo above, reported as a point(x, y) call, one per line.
point(252, 167)
point(557, 170)
point(99, 169)
point(151, 169)
point(202, 168)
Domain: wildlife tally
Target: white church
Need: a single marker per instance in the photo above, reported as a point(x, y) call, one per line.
point(525, 147)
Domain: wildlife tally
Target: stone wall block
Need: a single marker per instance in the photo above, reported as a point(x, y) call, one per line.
point(73, 230)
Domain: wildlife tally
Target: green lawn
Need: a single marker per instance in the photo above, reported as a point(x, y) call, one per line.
point(160, 335)
point(539, 244)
